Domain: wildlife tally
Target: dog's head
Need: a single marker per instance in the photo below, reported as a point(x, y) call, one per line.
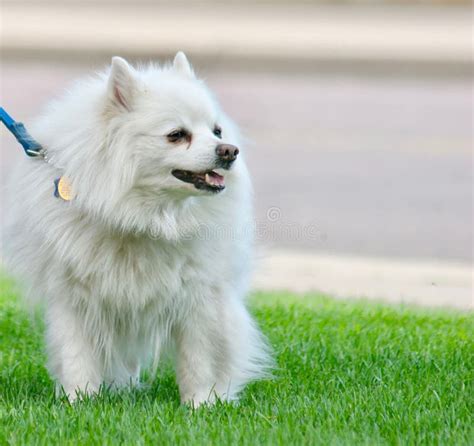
point(179, 140)
point(150, 148)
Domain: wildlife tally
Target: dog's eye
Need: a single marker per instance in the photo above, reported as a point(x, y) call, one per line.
point(177, 135)
point(217, 131)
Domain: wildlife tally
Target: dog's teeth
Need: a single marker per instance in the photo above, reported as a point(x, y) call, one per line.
point(207, 179)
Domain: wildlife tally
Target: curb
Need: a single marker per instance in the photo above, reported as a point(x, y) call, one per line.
point(424, 283)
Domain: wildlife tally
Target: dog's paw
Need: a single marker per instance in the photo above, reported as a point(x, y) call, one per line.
point(207, 398)
point(199, 399)
point(75, 394)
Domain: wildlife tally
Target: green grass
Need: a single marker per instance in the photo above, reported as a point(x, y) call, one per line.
point(348, 373)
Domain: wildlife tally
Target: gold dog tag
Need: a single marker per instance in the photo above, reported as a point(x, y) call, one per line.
point(63, 189)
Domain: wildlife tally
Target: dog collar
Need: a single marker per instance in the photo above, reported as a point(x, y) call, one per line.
point(62, 186)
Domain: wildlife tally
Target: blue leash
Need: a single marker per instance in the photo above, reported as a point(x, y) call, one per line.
point(62, 186)
point(31, 147)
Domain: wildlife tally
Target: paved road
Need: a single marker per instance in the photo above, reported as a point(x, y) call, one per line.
point(352, 165)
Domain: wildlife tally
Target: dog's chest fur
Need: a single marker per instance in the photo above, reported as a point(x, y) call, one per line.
point(134, 271)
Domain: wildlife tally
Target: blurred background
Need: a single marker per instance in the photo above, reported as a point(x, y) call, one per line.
point(357, 114)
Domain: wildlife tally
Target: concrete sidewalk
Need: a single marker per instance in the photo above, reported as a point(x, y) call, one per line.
point(307, 35)
point(424, 283)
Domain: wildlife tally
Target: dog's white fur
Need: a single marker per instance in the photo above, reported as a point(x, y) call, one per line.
point(138, 260)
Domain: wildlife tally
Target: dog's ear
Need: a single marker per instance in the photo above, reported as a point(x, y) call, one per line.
point(122, 85)
point(182, 65)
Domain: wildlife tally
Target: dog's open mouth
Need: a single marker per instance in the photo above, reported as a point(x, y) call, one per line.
point(210, 180)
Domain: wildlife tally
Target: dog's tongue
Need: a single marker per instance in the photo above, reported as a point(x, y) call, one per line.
point(214, 179)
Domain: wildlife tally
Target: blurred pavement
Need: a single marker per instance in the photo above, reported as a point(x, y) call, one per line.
point(359, 126)
point(389, 38)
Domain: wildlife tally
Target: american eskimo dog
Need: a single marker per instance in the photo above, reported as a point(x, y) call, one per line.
point(148, 241)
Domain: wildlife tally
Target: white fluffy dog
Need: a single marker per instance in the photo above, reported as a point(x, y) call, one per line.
point(153, 249)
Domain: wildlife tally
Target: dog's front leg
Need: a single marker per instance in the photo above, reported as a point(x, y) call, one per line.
point(71, 358)
point(219, 350)
point(198, 344)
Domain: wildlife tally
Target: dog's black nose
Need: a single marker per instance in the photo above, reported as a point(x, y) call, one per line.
point(227, 153)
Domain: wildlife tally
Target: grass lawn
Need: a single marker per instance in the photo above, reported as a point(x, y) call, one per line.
point(348, 373)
